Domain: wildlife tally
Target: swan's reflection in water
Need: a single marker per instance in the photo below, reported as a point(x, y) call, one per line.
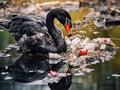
point(31, 68)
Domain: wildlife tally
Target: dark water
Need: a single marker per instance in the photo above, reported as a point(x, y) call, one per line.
point(103, 78)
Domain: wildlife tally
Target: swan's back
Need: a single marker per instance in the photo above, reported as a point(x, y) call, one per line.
point(21, 25)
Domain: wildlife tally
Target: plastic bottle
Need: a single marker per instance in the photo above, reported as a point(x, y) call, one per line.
point(90, 46)
point(102, 47)
point(53, 73)
point(86, 41)
point(83, 51)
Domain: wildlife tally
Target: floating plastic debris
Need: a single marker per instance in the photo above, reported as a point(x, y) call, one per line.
point(90, 46)
point(40, 71)
point(7, 48)
point(91, 30)
point(4, 54)
point(8, 78)
point(102, 40)
point(74, 44)
point(7, 55)
point(75, 41)
point(37, 82)
point(55, 61)
point(54, 55)
point(106, 40)
point(116, 75)
point(98, 22)
point(53, 73)
point(83, 32)
point(95, 32)
point(30, 71)
point(102, 47)
point(1, 30)
point(82, 51)
point(79, 74)
point(4, 73)
point(13, 46)
point(108, 77)
point(63, 74)
point(86, 41)
point(51, 79)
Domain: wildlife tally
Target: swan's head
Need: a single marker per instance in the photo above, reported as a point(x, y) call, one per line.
point(64, 18)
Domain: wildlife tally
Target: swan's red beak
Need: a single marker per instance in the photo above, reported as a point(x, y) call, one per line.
point(68, 29)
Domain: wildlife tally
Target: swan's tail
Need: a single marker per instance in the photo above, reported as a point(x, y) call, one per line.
point(4, 22)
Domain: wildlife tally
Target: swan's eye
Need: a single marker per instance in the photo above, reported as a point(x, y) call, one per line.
point(67, 21)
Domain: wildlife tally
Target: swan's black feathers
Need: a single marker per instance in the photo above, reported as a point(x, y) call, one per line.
point(38, 34)
point(25, 25)
point(33, 41)
point(37, 43)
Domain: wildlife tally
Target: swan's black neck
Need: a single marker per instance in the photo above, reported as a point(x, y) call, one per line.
point(56, 35)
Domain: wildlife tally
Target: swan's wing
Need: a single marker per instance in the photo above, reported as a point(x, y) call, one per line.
point(21, 25)
point(37, 43)
point(37, 38)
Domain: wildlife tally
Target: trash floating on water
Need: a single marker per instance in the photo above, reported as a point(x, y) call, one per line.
point(90, 30)
point(95, 32)
point(82, 51)
point(78, 74)
point(82, 70)
point(13, 46)
point(1, 30)
point(115, 75)
point(4, 54)
point(54, 55)
point(102, 40)
point(8, 78)
point(83, 32)
point(7, 52)
point(108, 77)
point(54, 74)
point(4, 73)
point(51, 79)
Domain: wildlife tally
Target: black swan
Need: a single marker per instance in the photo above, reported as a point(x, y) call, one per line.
point(38, 34)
